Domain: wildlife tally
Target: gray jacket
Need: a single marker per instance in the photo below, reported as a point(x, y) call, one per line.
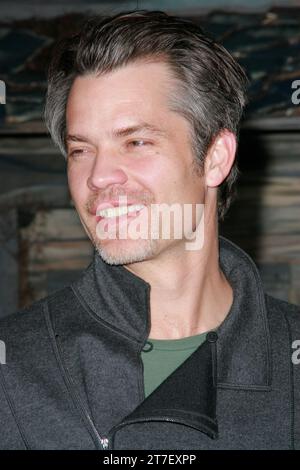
point(73, 377)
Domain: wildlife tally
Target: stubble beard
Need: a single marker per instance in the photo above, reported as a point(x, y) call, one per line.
point(122, 252)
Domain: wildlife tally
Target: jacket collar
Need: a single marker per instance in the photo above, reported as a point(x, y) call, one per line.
point(122, 300)
point(243, 346)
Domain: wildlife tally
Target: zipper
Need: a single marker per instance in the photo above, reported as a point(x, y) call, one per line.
point(104, 443)
point(101, 443)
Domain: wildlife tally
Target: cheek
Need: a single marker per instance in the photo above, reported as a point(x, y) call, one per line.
point(146, 172)
point(165, 173)
point(77, 181)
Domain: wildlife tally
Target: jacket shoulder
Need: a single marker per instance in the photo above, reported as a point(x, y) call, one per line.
point(283, 306)
point(283, 310)
point(291, 315)
point(25, 324)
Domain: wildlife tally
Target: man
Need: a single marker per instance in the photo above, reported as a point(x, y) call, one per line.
point(165, 342)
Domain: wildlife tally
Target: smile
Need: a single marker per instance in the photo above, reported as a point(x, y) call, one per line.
point(112, 212)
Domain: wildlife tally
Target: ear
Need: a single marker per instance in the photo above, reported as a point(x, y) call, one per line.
point(220, 158)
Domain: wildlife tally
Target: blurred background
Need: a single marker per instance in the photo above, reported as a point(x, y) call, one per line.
point(42, 244)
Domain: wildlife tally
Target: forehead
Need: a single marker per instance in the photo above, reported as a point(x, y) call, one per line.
point(138, 90)
point(135, 81)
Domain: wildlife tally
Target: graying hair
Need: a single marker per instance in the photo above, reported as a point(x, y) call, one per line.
point(211, 85)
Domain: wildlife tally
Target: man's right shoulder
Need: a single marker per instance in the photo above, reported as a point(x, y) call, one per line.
point(28, 321)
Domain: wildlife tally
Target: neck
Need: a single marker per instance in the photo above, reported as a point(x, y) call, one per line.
point(189, 292)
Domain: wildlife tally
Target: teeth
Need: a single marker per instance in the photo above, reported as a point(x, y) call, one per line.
point(118, 211)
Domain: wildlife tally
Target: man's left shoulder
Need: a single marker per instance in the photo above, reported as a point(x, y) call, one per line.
point(282, 308)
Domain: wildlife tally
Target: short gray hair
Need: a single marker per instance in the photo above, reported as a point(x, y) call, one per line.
point(212, 85)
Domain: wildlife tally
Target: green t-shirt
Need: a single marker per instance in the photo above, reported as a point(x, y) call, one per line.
point(165, 356)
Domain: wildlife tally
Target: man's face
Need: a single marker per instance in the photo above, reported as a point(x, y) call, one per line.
point(123, 140)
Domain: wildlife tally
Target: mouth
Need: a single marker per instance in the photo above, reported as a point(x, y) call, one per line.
point(113, 212)
point(118, 212)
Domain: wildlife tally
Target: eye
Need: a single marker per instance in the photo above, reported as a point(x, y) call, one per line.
point(139, 143)
point(77, 152)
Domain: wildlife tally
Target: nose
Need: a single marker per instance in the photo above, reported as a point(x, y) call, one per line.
point(105, 171)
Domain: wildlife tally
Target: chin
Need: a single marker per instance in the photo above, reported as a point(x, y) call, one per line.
point(125, 251)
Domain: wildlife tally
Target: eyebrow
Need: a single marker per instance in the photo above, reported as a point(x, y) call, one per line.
point(123, 132)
